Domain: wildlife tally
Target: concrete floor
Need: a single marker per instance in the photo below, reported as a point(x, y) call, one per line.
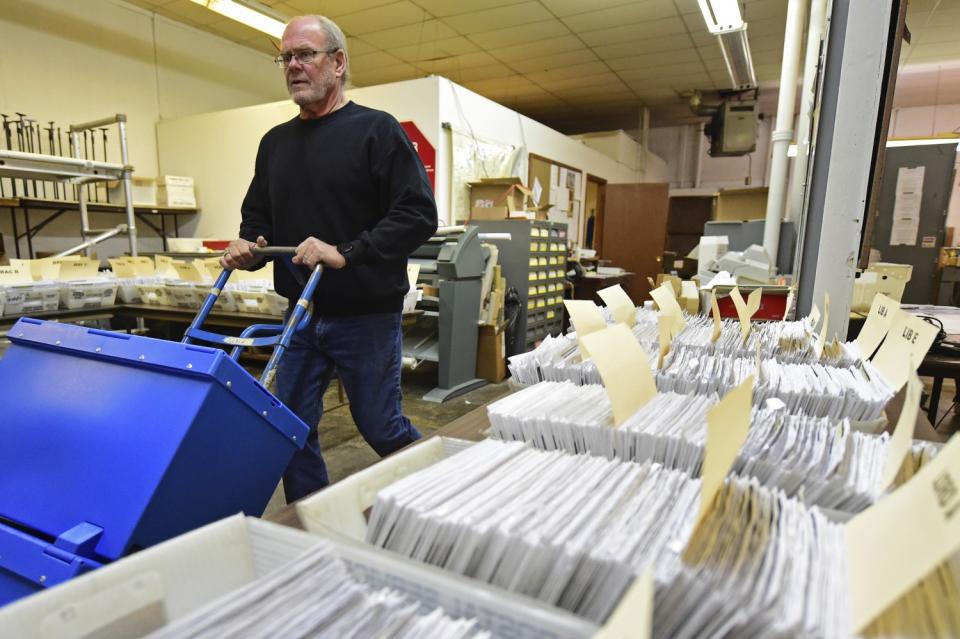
point(346, 452)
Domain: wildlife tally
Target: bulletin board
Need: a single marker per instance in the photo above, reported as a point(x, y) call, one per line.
point(472, 158)
point(568, 208)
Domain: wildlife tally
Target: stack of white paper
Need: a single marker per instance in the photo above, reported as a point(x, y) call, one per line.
point(817, 460)
point(316, 596)
point(573, 530)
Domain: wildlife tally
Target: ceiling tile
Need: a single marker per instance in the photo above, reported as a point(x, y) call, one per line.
point(335, 8)
point(382, 75)
point(493, 71)
point(425, 31)
point(940, 32)
point(520, 34)
point(435, 49)
point(635, 32)
point(662, 71)
point(621, 15)
point(565, 8)
point(539, 48)
point(226, 28)
point(585, 93)
point(191, 12)
point(557, 84)
point(514, 86)
point(286, 9)
point(584, 70)
point(516, 14)
point(380, 18)
point(664, 46)
point(466, 61)
point(562, 59)
point(359, 63)
point(357, 46)
point(443, 8)
point(652, 59)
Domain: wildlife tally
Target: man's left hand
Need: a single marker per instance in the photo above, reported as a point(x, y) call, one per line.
point(312, 251)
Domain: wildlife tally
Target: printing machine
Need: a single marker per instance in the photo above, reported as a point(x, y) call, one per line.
point(451, 261)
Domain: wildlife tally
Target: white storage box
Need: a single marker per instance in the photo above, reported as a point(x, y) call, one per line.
point(338, 510)
point(177, 197)
point(22, 299)
point(92, 293)
point(226, 301)
point(183, 294)
point(142, 593)
point(253, 300)
point(154, 293)
point(144, 191)
point(891, 278)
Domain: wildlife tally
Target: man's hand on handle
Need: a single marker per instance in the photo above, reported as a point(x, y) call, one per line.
point(312, 251)
point(238, 255)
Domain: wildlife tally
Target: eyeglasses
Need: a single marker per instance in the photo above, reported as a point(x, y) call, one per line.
point(303, 56)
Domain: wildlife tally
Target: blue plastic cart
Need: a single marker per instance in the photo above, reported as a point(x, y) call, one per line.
point(112, 442)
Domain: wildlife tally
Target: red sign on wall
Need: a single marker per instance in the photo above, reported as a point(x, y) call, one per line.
point(428, 154)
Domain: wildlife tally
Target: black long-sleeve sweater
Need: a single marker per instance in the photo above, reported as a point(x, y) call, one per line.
point(349, 177)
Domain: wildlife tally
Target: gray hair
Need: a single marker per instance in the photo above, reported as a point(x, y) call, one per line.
point(334, 37)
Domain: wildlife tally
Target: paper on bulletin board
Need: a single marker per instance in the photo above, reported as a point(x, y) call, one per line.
point(906, 206)
point(899, 540)
point(624, 368)
point(620, 304)
point(537, 191)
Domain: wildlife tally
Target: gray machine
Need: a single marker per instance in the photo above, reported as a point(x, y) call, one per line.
point(451, 261)
point(743, 234)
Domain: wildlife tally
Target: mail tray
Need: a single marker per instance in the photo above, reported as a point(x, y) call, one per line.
point(141, 438)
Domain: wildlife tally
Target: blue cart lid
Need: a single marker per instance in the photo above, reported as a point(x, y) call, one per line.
point(93, 421)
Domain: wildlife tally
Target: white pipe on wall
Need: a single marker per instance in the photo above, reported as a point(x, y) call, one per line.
point(815, 31)
point(780, 140)
point(698, 172)
point(682, 172)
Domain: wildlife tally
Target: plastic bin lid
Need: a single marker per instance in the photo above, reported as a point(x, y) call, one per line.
point(190, 360)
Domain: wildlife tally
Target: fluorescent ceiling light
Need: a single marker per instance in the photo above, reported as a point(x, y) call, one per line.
point(792, 149)
point(721, 15)
point(245, 15)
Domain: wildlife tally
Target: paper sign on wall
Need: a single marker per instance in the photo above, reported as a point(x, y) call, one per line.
point(906, 206)
point(882, 311)
point(619, 304)
point(899, 540)
point(624, 368)
point(907, 342)
point(633, 616)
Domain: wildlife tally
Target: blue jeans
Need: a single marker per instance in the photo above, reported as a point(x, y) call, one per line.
point(366, 352)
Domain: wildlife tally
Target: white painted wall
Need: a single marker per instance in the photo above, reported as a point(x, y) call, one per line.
point(78, 61)
point(218, 149)
point(715, 173)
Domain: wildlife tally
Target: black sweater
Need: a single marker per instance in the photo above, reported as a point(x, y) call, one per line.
point(350, 177)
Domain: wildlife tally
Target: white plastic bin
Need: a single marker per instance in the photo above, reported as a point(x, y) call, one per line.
point(93, 293)
point(37, 297)
point(142, 593)
point(226, 301)
point(154, 293)
point(251, 299)
point(183, 294)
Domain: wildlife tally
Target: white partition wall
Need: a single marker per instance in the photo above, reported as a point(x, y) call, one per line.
point(218, 149)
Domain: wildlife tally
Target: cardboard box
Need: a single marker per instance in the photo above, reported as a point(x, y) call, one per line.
point(176, 197)
point(491, 352)
point(498, 198)
point(143, 191)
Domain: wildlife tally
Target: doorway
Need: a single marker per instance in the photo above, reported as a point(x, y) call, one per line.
point(593, 205)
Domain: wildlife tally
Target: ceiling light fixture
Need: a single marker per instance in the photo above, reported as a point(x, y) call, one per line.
point(724, 20)
point(251, 14)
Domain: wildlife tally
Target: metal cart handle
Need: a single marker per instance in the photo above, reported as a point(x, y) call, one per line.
point(299, 317)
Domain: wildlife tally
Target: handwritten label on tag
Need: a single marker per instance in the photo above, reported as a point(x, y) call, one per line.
point(727, 426)
point(15, 274)
point(882, 311)
point(620, 304)
point(143, 266)
point(624, 368)
point(79, 270)
point(165, 266)
point(904, 536)
point(122, 267)
point(904, 348)
point(186, 271)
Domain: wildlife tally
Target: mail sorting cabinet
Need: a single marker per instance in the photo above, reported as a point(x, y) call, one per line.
point(534, 261)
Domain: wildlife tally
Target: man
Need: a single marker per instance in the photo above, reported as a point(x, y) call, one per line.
point(343, 184)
